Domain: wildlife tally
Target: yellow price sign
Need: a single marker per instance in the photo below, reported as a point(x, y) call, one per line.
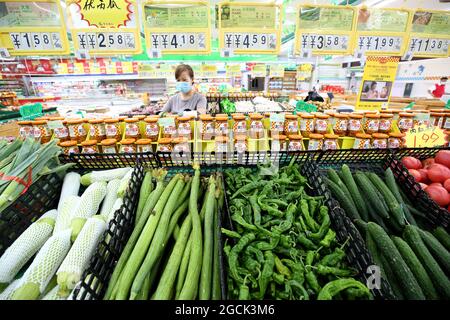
point(276, 71)
point(425, 137)
point(33, 28)
point(233, 70)
point(259, 70)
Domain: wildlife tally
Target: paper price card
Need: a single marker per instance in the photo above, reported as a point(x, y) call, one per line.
point(325, 29)
point(105, 27)
point(177, 27)
point(276, 71)
point(425, 137)
point(381, 31)
point(249, 28)
point(430, 35)
point(33, 28)
point(259, 70)
point(233, 70)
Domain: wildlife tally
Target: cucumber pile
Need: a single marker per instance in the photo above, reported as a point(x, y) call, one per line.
point(415, 262)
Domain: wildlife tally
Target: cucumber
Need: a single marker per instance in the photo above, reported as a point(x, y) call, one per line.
point(333, 176)
point(442, 236)
point(389, 276)
point(345, 202)
point(377, 219)
point(389, 198)
point(416, 212)
point(439, 252)
point(407, 282)
point(416, 267)
point(354, 192)
point(440, 280)
point(371, 194)
point(361, 226)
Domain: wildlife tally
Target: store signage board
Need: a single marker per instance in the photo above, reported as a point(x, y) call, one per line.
point(377, 83)
point(33, 28)
point(105, 27)
point(382, 31)
point(250, 28)
point(425, 137)
point(177, 27)
point(325, 29)
point(430, 34)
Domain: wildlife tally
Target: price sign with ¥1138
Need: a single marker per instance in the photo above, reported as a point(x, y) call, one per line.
point(425, 137)
point(105, 41)
point(178, 41)
point(428, 46)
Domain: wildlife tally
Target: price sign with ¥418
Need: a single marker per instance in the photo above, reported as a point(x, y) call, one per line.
point(327, 42)
point(380, 43)
point(178, 41)
point(105, 41)
point(250, 41)
point(433, 46)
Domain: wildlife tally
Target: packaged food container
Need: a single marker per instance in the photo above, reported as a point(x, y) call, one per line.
point(221, 144)
point(89, 146)
point(132, 128)
point(446, 121)
point(256, 126)
point(112, 129)
point(69, 147)
point(184, 127)
point(140, 117)
point(76, 130)
point(61, 132)
point(362, 141)
point(422, 118)
point(165, 145)
point(240, 125)
point(379, 140)
point(354, 124)
point(291, 126)
point(41, 131)
point(321, 123)
point(371, 123)
point(207, 127)
point(109, 146)
point(447, 138)
point(221, 125)
point(278, 143)
point(144, 145)
point(330, 142)
point(25, 129)
point(306, 124)
point(122, 118)
point(181, 144)
point(241, 143)
point(437, 119)
point(386, 122)
point(97, 129)
point(315, 141)
point(151, 130)
point(340, 124)
point(396, 140)
point(405, 121)
point(395, 113)
point(128, 145)
point(295, 143)
point(276, 127)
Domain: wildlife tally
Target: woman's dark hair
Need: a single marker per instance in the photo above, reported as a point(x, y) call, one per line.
point(373, 84)
point(182, 68)
point(444, 78)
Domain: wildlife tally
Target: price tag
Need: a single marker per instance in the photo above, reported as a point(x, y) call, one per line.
point(233, 70)
point(259, 70)
point(189, 41)
point(55, 124)
point(330, 42)
point(226, 53)
point(31, 111)
point(166, 122)
point(380, 43)
point(425, 137)
point(276, 71)
point(422, 46)
point(106, 41)
point(4, 53)
point(277, 117)
point(247, 41)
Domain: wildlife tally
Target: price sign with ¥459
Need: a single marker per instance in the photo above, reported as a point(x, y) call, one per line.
point(425, 137)
point(250, 41)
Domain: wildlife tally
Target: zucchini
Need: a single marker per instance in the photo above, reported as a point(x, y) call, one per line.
point(345, 202)
point(407, 282)
point(442, 236)
point(440, 280)
point(389, 198)
point(416, 267)
point(354, 192)
point(371, 193)
point(438, 251)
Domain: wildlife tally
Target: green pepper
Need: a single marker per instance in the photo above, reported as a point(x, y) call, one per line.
point(313, 204)
point(287, 224)
point(324, 270)
point(250, 249)
point(251, 265)
point(248, 188)
point(281, 268)
point(240, 220)
point(234, 255)
point(312, 281)
point(303, 225)
point(244, 291)
point(278, 278)
point(302, 294)
point(329, 237)
point(332, 259)
point(256, 209)
point(231, 234)
point(334, 287)
point(308, 244)
point(314, 227)
point(297, 270)
point(324, 227)
point(357, 293)
point(266, 273)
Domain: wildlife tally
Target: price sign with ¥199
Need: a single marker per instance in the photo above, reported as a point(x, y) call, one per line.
point(425, 137)
point(380, 43)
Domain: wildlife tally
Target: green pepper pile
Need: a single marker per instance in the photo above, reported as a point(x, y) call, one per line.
point(283, 247)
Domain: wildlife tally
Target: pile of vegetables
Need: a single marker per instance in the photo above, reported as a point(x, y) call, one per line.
point(433, 174)
point(415, 262)
point(282, 246)
point(24, 161)
point(63, 240)
point(173, 251)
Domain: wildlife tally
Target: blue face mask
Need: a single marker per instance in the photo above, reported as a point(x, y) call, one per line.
point(184, 87)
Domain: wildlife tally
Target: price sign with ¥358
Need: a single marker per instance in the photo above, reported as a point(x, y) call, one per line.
point(425, 137)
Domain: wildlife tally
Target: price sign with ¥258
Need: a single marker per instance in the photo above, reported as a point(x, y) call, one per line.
point(106, 41)
point(425, 137)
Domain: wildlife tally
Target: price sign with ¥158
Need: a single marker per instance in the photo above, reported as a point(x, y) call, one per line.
point(425, 137)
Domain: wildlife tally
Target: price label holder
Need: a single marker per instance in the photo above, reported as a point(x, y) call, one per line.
point(82, 54)
point(4, 53)
point(55, 124)
point(382, 31)
point(425, 137)
point(276, 71)
point(177, 27)
point(113, 27)
point(154, 53)
point(233, 70)
point(226, 53)
point(32, 28)
point(408, 56)
point(277, 117)
point(250, 28)
point(325, 29)
point(429, 35)
point(166, 122)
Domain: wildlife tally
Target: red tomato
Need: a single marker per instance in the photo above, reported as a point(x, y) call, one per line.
point(428, 162)
point(423, 185)
point(439, 195)
point(424, 174)
point(443, 157)
point(416, 174)
point(436, 184)
point(438, 173)
point(447, 185)
point(412, 163)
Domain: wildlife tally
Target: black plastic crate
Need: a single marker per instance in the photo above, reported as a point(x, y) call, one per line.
point(42, 196)
point(96, 277)
point(101, 161)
